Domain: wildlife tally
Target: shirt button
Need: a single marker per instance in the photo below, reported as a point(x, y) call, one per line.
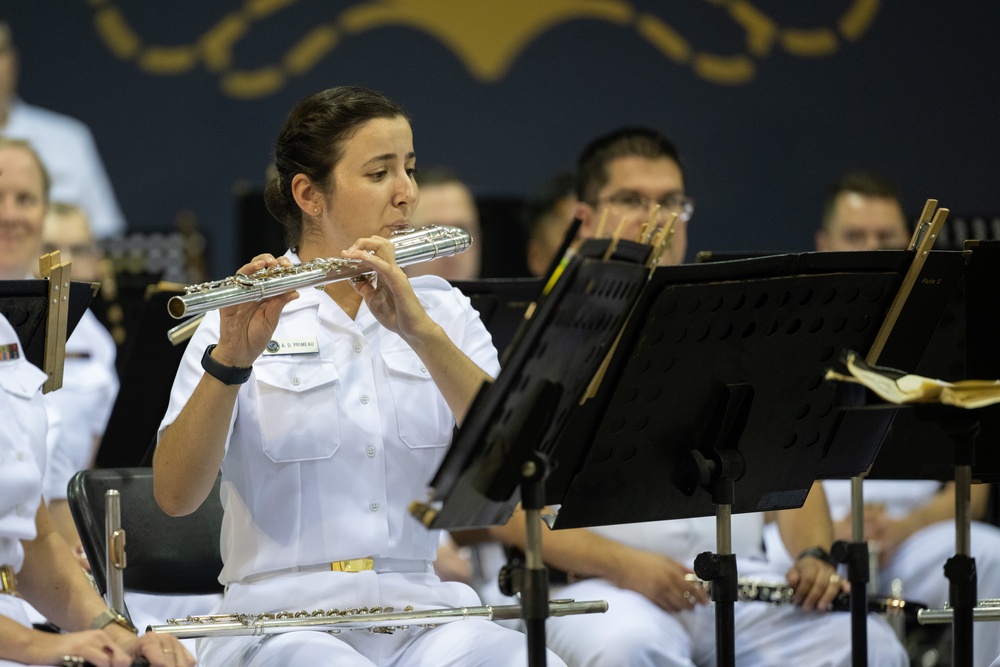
point(296, 381)
point(23, 511)
point(373, 507)
point(358, 347)
point(19, 456)
point(364, 399)
point(423, 369)
point(370, 452)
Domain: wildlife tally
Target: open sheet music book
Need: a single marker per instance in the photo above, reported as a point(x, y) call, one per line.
point(897, 387)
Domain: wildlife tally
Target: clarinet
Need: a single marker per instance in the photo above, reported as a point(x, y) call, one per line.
point(779, 593)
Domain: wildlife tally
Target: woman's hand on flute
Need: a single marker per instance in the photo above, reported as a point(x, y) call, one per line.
point(246, 328)
point(389, 296)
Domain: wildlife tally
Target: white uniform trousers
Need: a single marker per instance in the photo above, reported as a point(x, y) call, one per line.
point(19, 611)
point(637, 633)
point(919, 564)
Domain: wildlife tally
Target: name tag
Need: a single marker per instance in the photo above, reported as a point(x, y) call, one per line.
point(292, 346)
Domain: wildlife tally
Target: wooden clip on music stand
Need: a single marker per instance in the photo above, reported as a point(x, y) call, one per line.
point(57, 274)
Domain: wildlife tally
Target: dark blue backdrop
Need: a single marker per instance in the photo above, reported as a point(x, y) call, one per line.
point(915, 92)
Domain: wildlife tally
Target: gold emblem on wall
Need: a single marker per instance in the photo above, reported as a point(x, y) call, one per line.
point(486, 36)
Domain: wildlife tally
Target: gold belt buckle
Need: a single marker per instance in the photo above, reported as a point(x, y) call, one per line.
point(353, 565)
point(8, 582)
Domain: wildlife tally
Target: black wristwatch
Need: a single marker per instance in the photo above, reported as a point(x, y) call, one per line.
point(221, 372)
point(817, 552)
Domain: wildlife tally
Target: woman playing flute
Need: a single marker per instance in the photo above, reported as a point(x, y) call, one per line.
point(329, 410)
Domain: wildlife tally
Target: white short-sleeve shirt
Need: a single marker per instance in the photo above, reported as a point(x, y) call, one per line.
point(83, 403)
point(335, 435)
point(22, 446)
point(683, 539)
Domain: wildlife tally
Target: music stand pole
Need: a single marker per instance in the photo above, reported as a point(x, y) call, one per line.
point(855, 555)
point(960, 570)
point(720, 569)
point(535, 585)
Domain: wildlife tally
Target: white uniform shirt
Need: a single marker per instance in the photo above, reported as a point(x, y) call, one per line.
point(83, 403)
point(68, 151)
point(22, 447)
point(900, 497)
point(328, 448)
point(683, 539)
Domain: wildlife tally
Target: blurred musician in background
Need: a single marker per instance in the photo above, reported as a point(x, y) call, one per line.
point(36, 565)
point(910, 524)
point(328, 410)
point(547, 215)
point(65, 144)
point(446, 200)
point(657, 616)
point(67, 229)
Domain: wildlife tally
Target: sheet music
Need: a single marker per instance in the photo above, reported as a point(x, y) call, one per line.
point(899, 388)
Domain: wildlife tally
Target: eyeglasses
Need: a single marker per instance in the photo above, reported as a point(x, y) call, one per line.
point(638, 202)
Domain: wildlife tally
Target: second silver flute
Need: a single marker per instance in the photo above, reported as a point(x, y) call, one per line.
point(377, 620)
point(411, 245)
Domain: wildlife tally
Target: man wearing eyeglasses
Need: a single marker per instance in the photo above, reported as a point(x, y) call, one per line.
point(656, 614)
point(623, 177)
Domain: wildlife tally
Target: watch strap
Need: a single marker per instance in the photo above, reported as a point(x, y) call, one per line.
point(109, 616)
point(817, 552)
point(221, 372)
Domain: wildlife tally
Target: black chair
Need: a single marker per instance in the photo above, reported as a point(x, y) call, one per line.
point(164, 554)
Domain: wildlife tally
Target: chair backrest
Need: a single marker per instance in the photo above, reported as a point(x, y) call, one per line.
point(164, 554)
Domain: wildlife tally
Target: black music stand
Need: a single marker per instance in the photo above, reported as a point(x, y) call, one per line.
point(721, 367)
point(151, 364)
point(939, 442)
point(25, 304)
point(547, 370)
point(501, 304)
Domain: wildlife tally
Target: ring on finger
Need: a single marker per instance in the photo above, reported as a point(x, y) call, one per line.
point(834, 578)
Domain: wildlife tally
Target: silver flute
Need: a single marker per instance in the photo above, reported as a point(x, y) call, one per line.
point(377, 620)
point(986, 610)
point(411, 245)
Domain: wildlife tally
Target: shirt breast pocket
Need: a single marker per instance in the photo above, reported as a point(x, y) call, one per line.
point(297, 404)
point(423, 419)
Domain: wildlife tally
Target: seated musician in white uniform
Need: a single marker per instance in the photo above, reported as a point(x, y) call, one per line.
point(657, 615)
point(36, 564)
point(329, 410)
point(90, 381)
point(910, 523)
